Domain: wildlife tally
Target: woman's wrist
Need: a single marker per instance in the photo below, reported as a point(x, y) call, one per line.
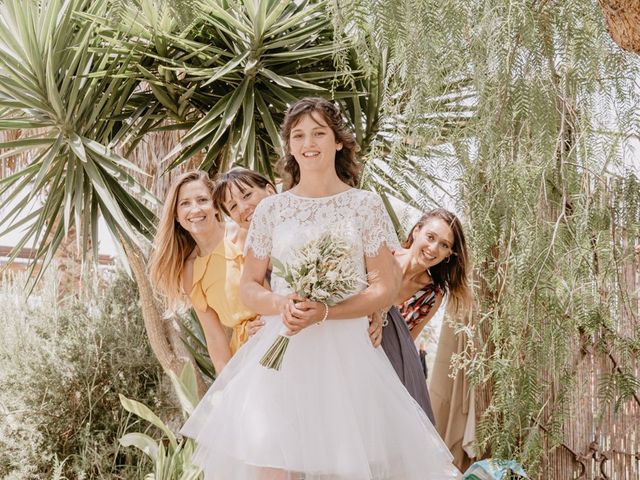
point(324, 310)
point(280, 301)
point(330, 309)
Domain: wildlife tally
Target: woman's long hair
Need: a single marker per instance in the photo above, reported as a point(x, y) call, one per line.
point(347, 165)
point(172, 243)
point(451, 275)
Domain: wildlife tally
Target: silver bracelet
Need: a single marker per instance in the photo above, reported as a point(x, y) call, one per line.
point(326, 313)
point(383, 317)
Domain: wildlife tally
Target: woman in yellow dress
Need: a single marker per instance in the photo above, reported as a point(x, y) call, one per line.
point(194, 257)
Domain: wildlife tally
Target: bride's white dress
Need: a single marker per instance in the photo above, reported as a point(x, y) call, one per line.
point(336, 410)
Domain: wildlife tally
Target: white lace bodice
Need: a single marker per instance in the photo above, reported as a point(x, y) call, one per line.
point(283, 223)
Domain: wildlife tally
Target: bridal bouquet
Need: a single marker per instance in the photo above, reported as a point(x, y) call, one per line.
point(323, 271)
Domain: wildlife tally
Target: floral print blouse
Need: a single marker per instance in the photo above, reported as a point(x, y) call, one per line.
point(418, 306)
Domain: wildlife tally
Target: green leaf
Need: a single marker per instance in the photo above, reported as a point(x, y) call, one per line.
point(228, 67)
point(47, 159)
point(145, 413)
point(110, 156)
point(186, 388)
point(231, 110)
point(75, 142)
point(224, 20)
point(15, 124)
point(69, 196)
point(288, 82)
point(277, 264)
point(142, 442)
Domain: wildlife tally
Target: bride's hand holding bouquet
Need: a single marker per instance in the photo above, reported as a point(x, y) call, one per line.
point(300, 313)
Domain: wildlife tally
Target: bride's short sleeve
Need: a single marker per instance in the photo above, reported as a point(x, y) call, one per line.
point(260, 237)
point(377, 228)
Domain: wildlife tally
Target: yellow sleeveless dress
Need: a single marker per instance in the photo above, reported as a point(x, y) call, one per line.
point(216, 284)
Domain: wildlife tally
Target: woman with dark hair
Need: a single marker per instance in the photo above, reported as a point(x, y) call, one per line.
point(434, 263)
point(347, 166)
point(237, 193)
point(335, 409)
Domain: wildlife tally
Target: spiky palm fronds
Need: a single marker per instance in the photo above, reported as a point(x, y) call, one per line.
point(228, 76)
point(61, 84)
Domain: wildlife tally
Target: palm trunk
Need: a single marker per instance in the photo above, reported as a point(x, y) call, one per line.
point(70, 266)
point(164, 335)
point(623, 22)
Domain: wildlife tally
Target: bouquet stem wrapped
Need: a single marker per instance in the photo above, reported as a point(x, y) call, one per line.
point(324, 270)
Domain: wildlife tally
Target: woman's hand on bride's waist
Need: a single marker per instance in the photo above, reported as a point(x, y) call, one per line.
point(300, 313)
point(375, 329)
point(254, 325)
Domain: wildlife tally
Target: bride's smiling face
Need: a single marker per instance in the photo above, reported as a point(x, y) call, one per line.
point(313, 143)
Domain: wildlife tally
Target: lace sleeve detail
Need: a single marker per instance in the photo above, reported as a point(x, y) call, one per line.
point(378, 229)
point(260, 236)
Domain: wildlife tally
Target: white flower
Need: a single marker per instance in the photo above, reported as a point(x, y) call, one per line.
point(321, 294)
point(332, 275)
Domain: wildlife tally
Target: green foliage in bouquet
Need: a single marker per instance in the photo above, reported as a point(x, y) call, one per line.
point(323, 270)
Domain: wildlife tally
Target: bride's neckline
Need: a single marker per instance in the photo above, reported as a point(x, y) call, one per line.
point(325, 197)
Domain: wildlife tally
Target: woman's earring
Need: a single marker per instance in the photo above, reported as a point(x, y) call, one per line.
point(448, 258)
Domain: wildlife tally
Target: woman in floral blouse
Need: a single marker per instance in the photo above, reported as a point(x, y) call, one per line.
point(434, 263)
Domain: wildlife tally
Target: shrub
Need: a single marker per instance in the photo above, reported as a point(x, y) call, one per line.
point(63, 366)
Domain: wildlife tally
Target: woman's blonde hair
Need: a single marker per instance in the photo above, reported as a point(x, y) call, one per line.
point(172, 243)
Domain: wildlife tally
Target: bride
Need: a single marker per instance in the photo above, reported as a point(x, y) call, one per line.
point(336, 410)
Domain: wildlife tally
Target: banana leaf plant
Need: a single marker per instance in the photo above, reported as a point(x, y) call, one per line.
point(171, 456)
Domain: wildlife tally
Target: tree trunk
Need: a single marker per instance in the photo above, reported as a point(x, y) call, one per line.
point(623, 22)
point(164, 335)
point(70, 265)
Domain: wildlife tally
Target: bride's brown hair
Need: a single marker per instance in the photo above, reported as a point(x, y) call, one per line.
point(347, 165)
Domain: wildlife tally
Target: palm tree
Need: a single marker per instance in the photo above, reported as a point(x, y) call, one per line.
point(226, 73)
point(69, 94)
point(91, 79)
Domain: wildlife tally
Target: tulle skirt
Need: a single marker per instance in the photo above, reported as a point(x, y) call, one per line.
point(336, 410)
